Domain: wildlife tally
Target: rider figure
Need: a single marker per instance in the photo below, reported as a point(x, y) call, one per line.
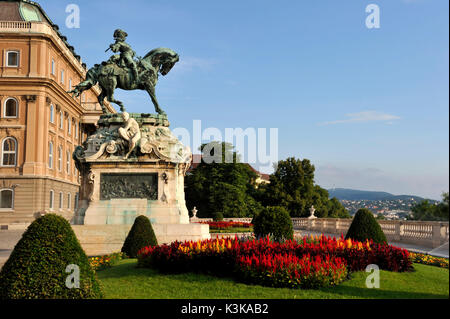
point(126, 52)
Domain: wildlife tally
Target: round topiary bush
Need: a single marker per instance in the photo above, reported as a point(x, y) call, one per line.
point(275, 222)
point(141, 235)
point(365, 226)
point(37, 266)
point(218, 217)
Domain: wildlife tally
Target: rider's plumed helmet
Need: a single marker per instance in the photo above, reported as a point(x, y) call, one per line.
point(120, 34)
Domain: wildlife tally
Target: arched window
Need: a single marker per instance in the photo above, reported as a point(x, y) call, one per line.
point(9, 152)
point(76, 201)
point(11, 108)
point(60, 155)
point(68, 163)
point(69, 201)
point(61, 200)
point(52, 113)
point(50, 155)
point(52, 199)
point(61, 120)
point(69, 125)
point(6, 199)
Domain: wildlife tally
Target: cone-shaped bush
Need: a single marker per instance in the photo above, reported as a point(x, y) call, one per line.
point(37, 266)
point(275, 222)
point(141, 235)
point(365, 226)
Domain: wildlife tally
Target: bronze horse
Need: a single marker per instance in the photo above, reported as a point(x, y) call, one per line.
point(112, 74)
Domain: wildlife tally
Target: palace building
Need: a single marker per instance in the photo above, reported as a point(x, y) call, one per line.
point(40, 123)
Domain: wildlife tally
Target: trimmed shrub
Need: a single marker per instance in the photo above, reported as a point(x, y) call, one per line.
point(218, 216)
point(275, 222)
point(37, 266)
point(141, 235)
point(365, 227)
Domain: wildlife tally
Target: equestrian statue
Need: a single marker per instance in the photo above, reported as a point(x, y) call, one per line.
point(128, 72)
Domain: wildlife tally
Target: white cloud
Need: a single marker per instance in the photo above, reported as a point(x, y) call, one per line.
point(189, 64)
point(365, 116)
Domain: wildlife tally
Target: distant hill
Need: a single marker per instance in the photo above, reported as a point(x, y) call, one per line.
point(351, 194)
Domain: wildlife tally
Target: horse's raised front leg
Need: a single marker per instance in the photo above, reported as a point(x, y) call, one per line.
point(151, 92)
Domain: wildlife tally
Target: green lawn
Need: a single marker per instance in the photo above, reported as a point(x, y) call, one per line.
point(125, 281)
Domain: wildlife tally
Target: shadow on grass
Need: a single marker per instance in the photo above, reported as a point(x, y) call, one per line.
point(130, 269)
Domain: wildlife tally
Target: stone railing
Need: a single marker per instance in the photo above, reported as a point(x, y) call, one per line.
point(41, 28)
point(427, 234)
point(15, 25)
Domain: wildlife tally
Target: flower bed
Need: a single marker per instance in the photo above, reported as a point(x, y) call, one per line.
point(429, 260)
point(104, 262)
point(309, 263)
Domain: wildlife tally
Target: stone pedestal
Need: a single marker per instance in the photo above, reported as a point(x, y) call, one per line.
point(117, 188)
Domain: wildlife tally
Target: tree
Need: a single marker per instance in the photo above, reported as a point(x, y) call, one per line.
point(292, 187)
point(427, 211)
point(221, 184)
point(42, 262)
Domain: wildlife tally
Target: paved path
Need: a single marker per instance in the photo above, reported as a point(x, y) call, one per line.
point(8, 240)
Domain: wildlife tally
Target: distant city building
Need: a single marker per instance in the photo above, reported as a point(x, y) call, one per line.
point(40, 124)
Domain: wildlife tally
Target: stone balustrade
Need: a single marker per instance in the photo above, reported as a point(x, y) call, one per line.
point(421, 233)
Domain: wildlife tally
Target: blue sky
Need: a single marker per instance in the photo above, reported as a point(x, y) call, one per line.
point(368, 107)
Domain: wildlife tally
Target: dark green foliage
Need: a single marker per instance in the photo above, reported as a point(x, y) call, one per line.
point(292, 187)
point(37, 266)
point(429, 212)
point(273, 221)
point(141, 235)
point(365, 226)
point(218, 216)
point(218, 186)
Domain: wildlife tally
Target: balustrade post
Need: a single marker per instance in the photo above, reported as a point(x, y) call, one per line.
point(336, 226)
point(401, 230)
point(436, 237)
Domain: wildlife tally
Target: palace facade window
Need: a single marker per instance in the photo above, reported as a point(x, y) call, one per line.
point(61, 120)
point(6, 199)
point(61, 200)
point(52, 113)
point(52, 199)
point(50, 155)
point(60, 155)
point(68, 163)
point(11, 108)
point(9, 152)
point(12, 59)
